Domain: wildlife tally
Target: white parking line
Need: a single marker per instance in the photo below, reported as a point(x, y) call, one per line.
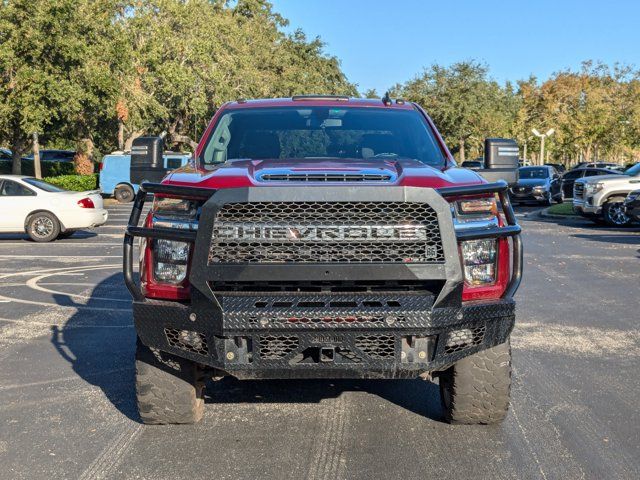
point(33, 284)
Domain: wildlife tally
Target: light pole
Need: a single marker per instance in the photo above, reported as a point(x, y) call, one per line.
point(542, 137)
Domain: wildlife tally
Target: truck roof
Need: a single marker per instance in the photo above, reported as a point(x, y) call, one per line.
point(320, 100)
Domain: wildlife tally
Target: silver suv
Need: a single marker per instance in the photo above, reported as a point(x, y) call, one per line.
point(601, 198)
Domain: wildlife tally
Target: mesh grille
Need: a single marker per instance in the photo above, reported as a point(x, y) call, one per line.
point(326, 232)
point(193, 342)
point(462, 339)
point(377, 346)
point(274, 347)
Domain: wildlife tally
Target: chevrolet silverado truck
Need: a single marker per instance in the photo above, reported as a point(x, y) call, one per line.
point(601, 198)
point(324, 237)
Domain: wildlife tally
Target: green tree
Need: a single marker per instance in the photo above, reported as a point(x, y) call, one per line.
point(54, 69)
point(466, 105)
point(190, 57)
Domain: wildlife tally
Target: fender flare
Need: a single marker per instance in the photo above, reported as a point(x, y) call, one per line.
point(126, 184)
point(616, 194)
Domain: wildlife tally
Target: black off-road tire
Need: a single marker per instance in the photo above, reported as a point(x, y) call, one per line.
point(124, 193)
point(42, 227)
point(477, 389)
point(169, 389)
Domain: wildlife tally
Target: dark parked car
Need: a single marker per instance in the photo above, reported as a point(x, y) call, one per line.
point(5, 154)
point(472, 164)
point(632, 205)
point(537, 184)
point(558, 166)
point(569, 178)
point(54, 156)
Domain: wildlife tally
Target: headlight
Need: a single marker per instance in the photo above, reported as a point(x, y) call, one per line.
point(539, 188)
point(594, 187)
point(171, 258)
point(174, 206)
point(170, 261)
point(479, 261)
point(476, 208)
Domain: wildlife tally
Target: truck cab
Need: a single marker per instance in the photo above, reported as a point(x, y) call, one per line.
point(325, 237)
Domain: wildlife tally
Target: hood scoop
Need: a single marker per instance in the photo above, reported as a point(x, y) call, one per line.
point(326, 177)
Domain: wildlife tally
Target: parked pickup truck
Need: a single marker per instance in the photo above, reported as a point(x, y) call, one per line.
point(601, 198)
point(325, 237)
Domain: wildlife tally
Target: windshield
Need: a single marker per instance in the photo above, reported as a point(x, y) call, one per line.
point(534, 172)
point(633, 171)
point(47, 187)
point(322, 133)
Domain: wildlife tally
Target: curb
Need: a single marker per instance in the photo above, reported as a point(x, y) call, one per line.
point(544, 213)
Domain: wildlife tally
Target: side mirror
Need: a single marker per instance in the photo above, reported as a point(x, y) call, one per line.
point(147, 163)
point(500, 160)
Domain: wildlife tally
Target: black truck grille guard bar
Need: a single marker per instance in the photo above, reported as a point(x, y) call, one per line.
point(511, 229)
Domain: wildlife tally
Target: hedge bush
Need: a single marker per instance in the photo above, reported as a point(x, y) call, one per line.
point(76, 183)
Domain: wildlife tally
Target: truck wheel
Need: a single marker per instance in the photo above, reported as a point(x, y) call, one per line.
point(476, 389)
point(124, 193)
point(614, 214)
point(169, 389)
point(43, 227)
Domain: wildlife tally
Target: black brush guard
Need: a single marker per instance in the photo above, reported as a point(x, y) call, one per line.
point(226, 330)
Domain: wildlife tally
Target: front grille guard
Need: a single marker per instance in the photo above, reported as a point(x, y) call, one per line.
point(511, 229)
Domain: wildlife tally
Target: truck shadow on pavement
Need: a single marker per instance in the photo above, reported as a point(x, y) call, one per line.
point(99, 343)
point(98, 340)
point(417, 396)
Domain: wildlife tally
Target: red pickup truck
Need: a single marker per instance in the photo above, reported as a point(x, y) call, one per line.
point(324, 237)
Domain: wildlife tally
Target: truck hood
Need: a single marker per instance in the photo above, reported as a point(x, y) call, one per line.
point(600, 178)
point(250, 173)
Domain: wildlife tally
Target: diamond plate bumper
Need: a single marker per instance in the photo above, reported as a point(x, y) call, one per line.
point(365, 345)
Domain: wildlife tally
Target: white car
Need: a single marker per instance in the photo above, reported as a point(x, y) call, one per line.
point(46, 212)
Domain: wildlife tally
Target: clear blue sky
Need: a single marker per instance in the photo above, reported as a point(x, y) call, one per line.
point(382, 42)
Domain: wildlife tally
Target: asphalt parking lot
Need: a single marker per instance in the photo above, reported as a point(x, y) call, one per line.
point(67, 402)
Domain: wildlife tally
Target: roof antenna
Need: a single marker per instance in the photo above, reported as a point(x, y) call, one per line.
point(386, 99)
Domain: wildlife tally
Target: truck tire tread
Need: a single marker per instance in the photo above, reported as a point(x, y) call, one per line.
point(168, 388)
point(476, 390)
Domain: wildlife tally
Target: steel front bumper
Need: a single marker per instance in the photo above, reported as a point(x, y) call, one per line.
point(332, 335)
point(419, 340)
point(528, 196)
point(585, 207)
